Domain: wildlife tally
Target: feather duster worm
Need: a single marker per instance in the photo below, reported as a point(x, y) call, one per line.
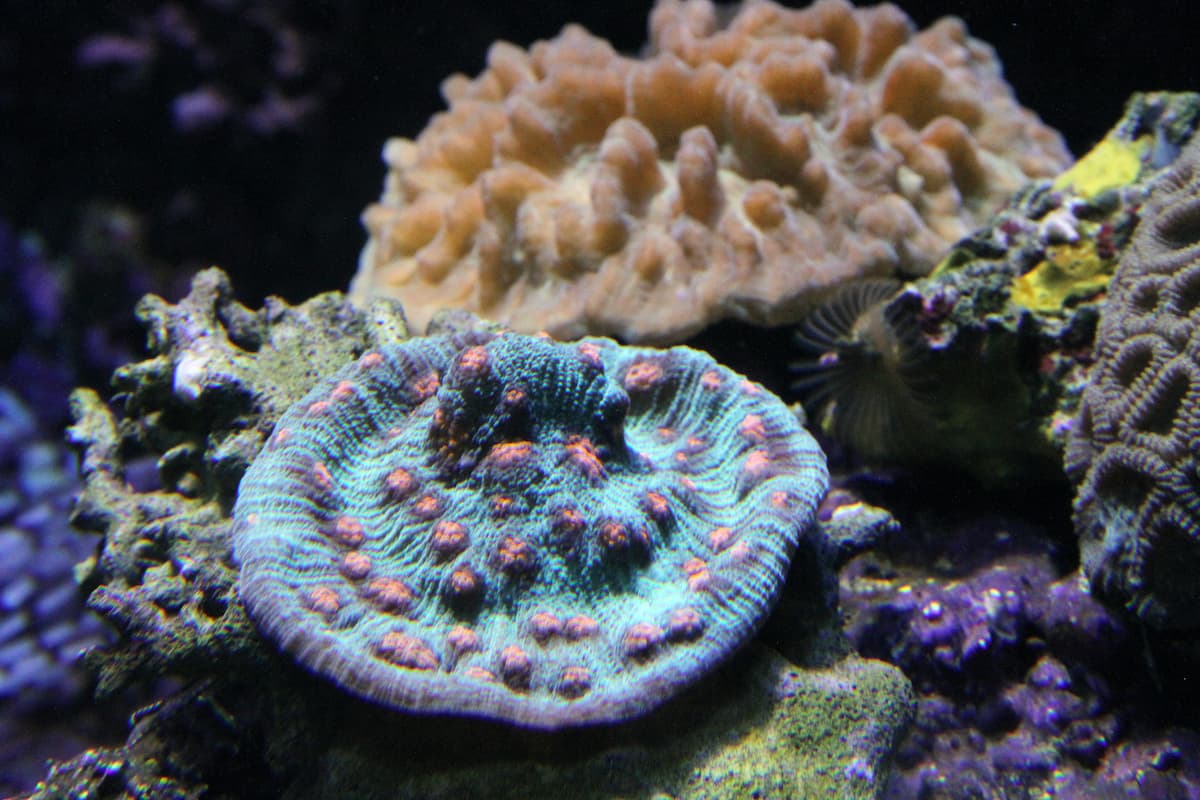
point(862, 379)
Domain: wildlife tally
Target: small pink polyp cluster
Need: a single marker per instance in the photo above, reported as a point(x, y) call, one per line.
point(508, 527)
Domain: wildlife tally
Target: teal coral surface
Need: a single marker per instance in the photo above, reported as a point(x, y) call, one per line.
point(508, 527)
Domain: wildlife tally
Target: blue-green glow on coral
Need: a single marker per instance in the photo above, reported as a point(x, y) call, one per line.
point(508, 527)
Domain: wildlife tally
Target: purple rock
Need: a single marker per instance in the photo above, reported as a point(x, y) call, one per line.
point(1026, 682)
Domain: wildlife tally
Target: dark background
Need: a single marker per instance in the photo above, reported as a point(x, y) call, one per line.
point(281, 212)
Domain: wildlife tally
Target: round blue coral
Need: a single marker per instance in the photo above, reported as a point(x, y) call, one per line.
point(508, 527)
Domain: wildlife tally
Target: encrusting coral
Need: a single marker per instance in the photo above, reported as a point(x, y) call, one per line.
point(742, 168)
point(1133, 449)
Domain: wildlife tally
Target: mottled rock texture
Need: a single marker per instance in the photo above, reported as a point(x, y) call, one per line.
point(1135, 449)
point(202, 405)
point(1027, 684)
point(761, 727)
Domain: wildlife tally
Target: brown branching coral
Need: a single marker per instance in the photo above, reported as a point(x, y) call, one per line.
point(746, 165)
point(1134, 450)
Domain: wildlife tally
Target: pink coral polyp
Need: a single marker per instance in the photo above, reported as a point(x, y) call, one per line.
point(495, 526)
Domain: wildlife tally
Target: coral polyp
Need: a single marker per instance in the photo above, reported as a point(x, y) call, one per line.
point(508, 527)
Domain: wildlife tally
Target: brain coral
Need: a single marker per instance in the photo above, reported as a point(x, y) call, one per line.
point(747, 163)
point(507, 527)
point(1134, 452)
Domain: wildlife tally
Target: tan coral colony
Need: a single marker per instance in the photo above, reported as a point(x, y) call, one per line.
point(754, 158)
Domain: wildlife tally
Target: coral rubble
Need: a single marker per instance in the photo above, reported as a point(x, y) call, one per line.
point(742, 168)
point(1133, 450)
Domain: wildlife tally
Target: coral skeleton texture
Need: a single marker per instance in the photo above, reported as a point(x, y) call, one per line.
point(1133, 450)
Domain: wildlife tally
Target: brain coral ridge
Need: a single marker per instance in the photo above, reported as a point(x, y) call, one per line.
point(1134, 451)
point(748, 163)
point(508, 527)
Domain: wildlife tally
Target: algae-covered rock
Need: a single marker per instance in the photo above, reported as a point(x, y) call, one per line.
point(201, 406)
point(766, 728)
point(981, 364)
point(247, 721)
point(761, 727)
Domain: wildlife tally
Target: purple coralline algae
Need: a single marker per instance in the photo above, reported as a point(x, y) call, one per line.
point(1027, 685)
point(56, 330)
point(1133, 451)
point(508, 527)
point(43, 628)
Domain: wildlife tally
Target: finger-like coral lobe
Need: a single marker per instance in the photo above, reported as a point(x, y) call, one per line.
point(524, 541)
point(754, 158)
